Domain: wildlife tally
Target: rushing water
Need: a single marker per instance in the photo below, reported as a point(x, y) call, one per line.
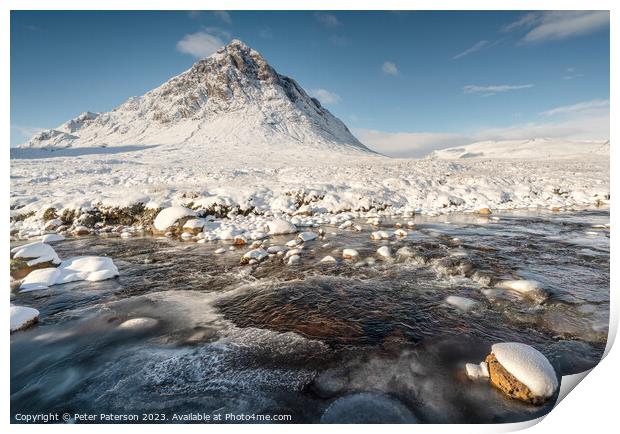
point(278, 339)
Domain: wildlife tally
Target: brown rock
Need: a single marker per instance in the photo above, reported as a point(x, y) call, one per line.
point(507, 383)
point(483, 211)
point(20, 267)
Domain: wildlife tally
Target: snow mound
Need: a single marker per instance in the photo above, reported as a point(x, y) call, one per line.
point(51, 238)
point(37, 253)
point(22, 316)
point(532, 149)
point(169, 216)
point(528, 366)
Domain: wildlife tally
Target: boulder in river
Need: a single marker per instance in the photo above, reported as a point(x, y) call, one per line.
point(521, 372)
point(23, 317)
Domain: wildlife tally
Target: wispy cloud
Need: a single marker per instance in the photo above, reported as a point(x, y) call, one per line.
point(494, 89)
point(328, 20)
point(325, 96)
point(580, 107)
point(476, 47)
point(26, 131)
point(389, 68)
point(203, 43)
point(571, 74)
point(554, 25)
point(224, 16)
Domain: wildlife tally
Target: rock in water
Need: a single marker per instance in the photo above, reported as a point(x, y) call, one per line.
point(462, 303)
point(527, 288)
point(367, 408)
point(521, 372)
point(138, 324)
point(23, 317)
point(168, 217)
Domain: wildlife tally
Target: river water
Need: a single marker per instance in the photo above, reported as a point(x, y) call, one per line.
point(273, 339)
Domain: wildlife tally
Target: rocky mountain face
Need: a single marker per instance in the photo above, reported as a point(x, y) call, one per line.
point(233, 97)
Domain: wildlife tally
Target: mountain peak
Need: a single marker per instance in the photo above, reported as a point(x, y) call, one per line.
point(233, 93)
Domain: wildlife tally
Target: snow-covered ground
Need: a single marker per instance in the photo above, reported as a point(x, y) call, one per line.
point(317, 182)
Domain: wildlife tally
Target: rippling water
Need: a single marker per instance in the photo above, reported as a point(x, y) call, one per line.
point(278, 339)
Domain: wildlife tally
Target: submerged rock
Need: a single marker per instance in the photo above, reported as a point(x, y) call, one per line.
point(462, 303)
point(522, 372)
point(307, 236)
point(138, 324)
point(367, 408)
point(527, 288)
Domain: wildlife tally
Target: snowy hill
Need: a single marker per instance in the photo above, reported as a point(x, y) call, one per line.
point(534, 149)
point(232, 99)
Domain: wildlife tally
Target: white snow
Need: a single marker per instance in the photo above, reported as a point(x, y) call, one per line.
point(475, 372)
point(194, 224)
point(256, 254)
point(22, 315)
point(528, 366)
point(169, 216)
point(37, 253)
point(379, 235)
point(51, 238)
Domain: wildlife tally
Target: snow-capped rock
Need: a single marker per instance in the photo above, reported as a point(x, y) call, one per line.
point(36, 253)
point(307, 236)
point(350, 254)
point(384, 252)
point(522, 372)
point(254, 255)
point(280, 227)
point(167, 217)
point(23, 317)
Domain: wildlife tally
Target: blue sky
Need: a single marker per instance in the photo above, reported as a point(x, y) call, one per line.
point(405, 82)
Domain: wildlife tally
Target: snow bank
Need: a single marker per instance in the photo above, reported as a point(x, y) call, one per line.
point(37, 253)
point(528, 366)
point(169, 216)
point(22, 316)
point(40, 279)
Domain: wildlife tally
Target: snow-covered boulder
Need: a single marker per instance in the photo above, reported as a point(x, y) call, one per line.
point(281, 226)
point(40, 279)
point(36, 253)
point(379, 235)
point(168, 217)
point(32, 256)
point(522, 372)
point(23, 317)
point(328, 260)
point(254, 255)
point(194, 226)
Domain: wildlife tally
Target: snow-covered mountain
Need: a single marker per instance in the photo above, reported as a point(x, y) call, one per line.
point(533, 149)
point(232, 98)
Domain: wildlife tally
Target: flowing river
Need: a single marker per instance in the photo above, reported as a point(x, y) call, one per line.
point(272, 339)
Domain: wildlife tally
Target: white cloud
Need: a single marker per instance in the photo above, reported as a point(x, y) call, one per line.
point(389, 68)
point(493, 89)
point(577, 125)
point(204, 43)
point(328, 20)
point(26, 131)
point(580, 107)
point(476, 47)
point(224, 16)
point(553, 25)
point(325, 96)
